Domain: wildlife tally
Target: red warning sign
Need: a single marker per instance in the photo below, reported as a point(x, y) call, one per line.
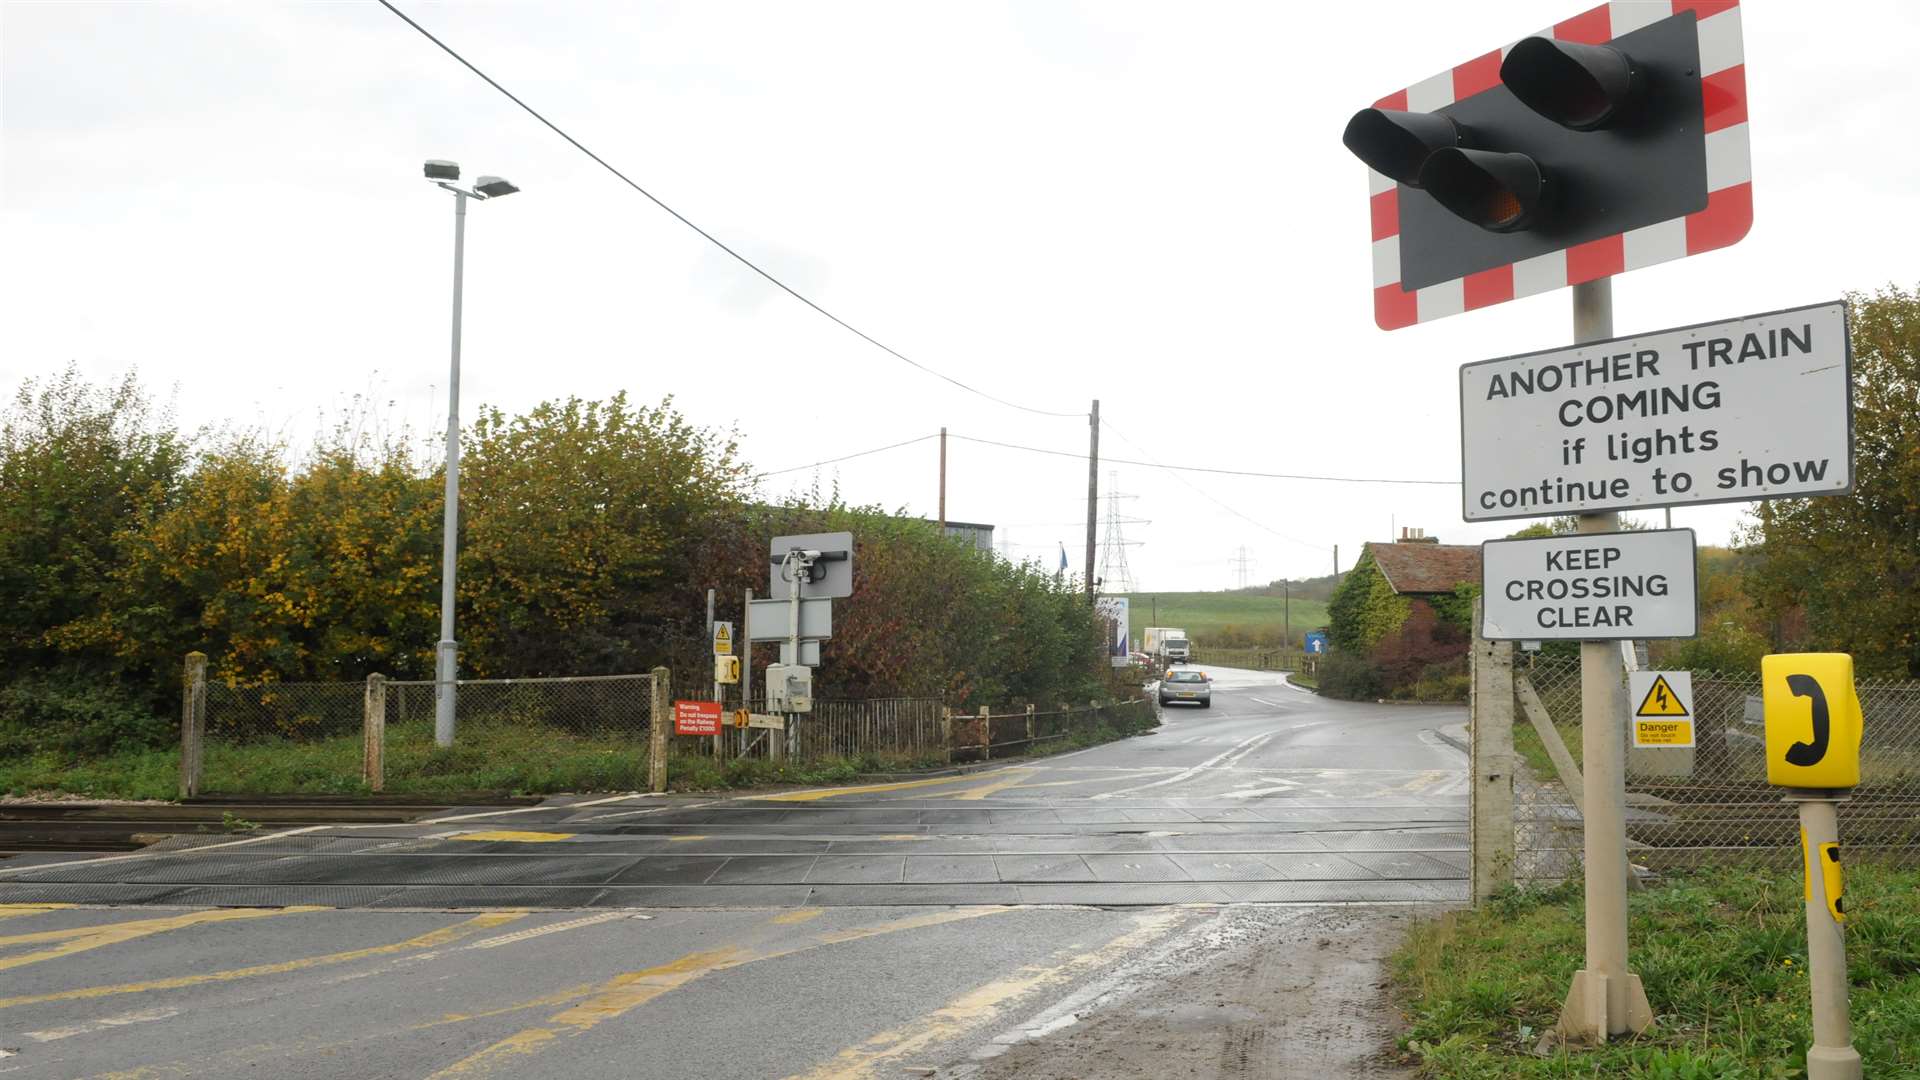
point(696, 718)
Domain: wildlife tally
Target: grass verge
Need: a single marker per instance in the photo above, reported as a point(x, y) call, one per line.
point(1722, 953)
point(502, 757)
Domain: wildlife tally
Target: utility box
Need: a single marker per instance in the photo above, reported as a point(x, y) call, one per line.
point(789, 688)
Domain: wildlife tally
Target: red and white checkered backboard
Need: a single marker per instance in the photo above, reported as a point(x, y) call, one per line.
point(1726, 219)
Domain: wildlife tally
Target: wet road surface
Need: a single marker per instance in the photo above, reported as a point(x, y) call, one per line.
point(840, 932)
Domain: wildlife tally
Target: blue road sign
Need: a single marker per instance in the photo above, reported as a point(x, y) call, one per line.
point(1317, 642)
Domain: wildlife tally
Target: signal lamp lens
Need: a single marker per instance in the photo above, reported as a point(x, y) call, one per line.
point(1498, 192)
point(1582, 87)
point(1395, 144)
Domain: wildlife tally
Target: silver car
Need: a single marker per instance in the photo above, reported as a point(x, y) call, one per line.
point(1190, 686)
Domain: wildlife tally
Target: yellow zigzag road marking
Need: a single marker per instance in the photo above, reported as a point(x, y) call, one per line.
point(82, 938)
point(979, 1005)
point(623, 993)
point(443, 936)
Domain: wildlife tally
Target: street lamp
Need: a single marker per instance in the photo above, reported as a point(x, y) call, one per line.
point(446, 174)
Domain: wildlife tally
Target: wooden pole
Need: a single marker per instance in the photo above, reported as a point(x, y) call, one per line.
point(373, 750)
point(943, 481)
point(193, 723)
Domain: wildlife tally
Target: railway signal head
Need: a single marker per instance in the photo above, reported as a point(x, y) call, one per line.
point(1616, 139)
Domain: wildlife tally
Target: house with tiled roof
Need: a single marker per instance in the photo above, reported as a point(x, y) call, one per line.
point(1407, 606)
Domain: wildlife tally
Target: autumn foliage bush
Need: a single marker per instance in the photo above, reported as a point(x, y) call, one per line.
point(590, 533)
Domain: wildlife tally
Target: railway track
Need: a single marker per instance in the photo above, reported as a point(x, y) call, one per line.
point(106, 827)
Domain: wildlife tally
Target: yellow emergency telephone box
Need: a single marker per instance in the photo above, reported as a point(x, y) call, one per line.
point(1813, 720)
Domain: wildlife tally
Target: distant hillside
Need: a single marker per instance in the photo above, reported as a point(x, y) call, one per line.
point(1318, 588)
point(1250, 617)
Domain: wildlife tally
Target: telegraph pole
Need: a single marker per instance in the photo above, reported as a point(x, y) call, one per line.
point(943, 481)
point(1093, 488)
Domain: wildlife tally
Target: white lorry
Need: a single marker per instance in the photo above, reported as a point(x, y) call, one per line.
point(1167, 645)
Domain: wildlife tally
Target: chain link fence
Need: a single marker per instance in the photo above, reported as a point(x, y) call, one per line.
point(340, 737)
point(585, 733)
point(1710, 803)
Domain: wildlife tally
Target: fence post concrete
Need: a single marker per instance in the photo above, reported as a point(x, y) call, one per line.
point(986, 734)
point(193, 723)
point(1029, 725)
point(657, 727)
point(1491, 759)
point(946, 731)
point(373, 750)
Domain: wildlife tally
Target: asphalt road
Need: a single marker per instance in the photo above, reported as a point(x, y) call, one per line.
point(836, 933)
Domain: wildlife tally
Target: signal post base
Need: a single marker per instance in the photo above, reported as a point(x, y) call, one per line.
point(1591, 1014)
point(1833, 1063)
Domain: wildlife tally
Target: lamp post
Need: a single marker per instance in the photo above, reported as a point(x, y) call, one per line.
point(446, 174)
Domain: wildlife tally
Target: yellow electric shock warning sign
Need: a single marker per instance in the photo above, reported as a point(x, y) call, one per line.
point(1660, 700)
point(1664, 713)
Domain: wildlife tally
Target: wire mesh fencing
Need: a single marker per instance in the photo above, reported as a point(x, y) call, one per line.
point(580, 733)
point(1709, 803)
point(586, 732)
point(351, 737)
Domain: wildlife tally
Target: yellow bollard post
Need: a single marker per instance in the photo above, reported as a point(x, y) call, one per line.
point(1813, 729)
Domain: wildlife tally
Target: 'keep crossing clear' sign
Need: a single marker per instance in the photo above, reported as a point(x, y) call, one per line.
point(1733, 411)
point(1589, 587)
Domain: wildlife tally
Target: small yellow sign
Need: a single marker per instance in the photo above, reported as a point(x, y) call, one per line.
point(723, 639)
point(1813, 720)
point(1662, 732)
point(1660, 700)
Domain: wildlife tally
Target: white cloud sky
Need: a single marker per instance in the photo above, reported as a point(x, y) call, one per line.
point(1144, 203)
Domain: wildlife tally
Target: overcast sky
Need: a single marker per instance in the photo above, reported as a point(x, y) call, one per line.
point(1052, 201)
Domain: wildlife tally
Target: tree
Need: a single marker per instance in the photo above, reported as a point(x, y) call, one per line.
point(1850, 564)
point(78, 462)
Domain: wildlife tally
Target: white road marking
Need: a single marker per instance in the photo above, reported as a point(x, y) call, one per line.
point(535, 809)
point(1276, 704)
point(553, 928)
point(1223, 759)
point(143, 1016)
point(180, 851)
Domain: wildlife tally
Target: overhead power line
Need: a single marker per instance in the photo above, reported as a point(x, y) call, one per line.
point(1201, 468)
point(1082, 456)
point(850, 457)
point(709, 237)
point(1228, 507)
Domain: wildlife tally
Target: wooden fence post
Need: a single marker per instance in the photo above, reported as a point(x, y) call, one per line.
point(193, 723)
point(373, 749)
point(1491, 759)
point(1029, 725)
point(658, 727)
point(946, 731)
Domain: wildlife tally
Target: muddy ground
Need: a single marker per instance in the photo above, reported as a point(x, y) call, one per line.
point(1276, 993)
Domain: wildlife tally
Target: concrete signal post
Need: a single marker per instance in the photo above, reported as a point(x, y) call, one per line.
point(1606, 997)
point(1613, 141)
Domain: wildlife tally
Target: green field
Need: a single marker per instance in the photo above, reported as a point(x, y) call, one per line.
point(1225, 618)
